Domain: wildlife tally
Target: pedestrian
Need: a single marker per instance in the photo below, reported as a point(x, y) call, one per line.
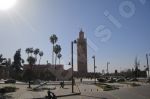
point(62, 84)
point(81, 80)
point(54, 96)
point(49, 94)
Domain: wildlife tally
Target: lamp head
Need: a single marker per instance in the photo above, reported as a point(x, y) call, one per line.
point(69, 63)
point(75, 41)
point(93, 56)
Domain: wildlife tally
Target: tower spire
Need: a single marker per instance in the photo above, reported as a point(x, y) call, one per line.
point(81, 34)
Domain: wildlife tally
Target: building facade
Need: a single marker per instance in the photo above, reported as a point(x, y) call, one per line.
point(46, 69)
point(4, 72)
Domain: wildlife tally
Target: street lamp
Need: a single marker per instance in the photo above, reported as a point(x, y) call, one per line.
point(94, 69)
point(73, 42)
point(147, 64)
point(107, 66)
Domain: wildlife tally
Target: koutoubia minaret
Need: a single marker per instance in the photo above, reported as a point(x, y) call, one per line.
point(82, 53)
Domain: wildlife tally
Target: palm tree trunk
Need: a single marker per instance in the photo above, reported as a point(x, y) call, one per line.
point(59, 60)
point(53, 55)
point(39, 60)
point(55, 60)
point(36, 59)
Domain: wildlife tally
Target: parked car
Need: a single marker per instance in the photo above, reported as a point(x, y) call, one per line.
point(10, 81)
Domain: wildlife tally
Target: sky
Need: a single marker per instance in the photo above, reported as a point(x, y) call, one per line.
point(117, 31)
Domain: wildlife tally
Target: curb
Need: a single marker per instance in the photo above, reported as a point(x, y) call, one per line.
point(73, 94)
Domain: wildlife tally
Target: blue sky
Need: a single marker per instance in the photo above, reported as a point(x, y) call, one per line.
point(30, 23)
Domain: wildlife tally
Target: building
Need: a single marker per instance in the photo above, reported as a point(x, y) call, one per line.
point(43, 67)
point(58, 71)
point(82, 53)
point(4, 72)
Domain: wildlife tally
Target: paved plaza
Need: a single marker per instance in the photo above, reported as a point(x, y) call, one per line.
point(88, 91)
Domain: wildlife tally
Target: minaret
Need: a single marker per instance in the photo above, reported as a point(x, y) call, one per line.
point(82, 53)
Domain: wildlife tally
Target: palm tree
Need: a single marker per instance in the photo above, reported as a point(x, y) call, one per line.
point(1, 58)
point(57, 49)
point(31, 60)
point(59, 56)
point(28, 51)
point(53, 40)
point(136, 65)
point(40, 54)
point(36, 52)
point(31, 50)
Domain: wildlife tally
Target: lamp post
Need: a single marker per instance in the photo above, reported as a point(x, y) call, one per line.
point(148, 69)
point(107, 66)
point(72, 63)
point(147, 65)
point(94, 69)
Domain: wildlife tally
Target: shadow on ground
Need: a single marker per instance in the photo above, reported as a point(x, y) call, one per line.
point(4, 96)
point(94, 97)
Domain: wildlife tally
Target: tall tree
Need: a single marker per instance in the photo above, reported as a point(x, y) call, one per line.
point(40, 54)
point(136, 65)
point(36, 52)
point(57, 49)
point(16, 68)
point(53, 40)
point(59, 56)
point(2, 59)
point(31, 60)
point(28, 51)
point(31, 50)
point(17, 64)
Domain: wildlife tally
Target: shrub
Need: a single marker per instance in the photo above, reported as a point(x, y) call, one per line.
point(135, 84)
point(9, 89)
point(106, 87)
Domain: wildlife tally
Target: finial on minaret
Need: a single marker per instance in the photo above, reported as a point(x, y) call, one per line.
point(81, 34)
point(81, 30)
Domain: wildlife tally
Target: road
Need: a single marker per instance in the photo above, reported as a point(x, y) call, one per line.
point(87, 89)
point(142, 92)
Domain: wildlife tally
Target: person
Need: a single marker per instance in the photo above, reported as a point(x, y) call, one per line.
point(54, 97)
point(49, 94)
point(81, 80)
point(62, 84)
